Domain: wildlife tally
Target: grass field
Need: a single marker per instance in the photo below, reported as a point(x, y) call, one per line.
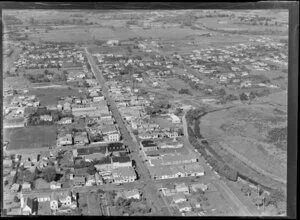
point(244, 131)
point(49, 96)
point(16, 83)
point(30, 137)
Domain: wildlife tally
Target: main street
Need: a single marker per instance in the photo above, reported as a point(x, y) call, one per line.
point(133, 145)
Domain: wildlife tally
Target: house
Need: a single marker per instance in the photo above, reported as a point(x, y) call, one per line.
point(81, 138)
point(113, 137)
point(184, 207)
point(135, 194)
point(15, 187)
point(63, 198)
point(112, 42)
point(175, 119)
point(46, 117)
point(173, 159)
point(65, 140)
point(104, 165)
point(108, 129)
point(246, 84)
point(82, 172)
point(123, 161)
point(98, 179)
point(123, 175)
point(172, 145)
point(182, 188)
point(7, 163)
point(116, 148)
point(55, 185)
point(196, 186)
point(148, 145)
point(168, 190)
point(90, 180)
point(43, 197)
point(26, 187)
point(195, 203)
point(64, 121)
point(179, 197)
point(78, 181)
point(41, 184)
point(30, 207)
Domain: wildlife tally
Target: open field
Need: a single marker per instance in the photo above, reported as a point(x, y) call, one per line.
point(243, 133)
point(30, 137)
point(16, 83)
point(65, 35)
point(49, 96)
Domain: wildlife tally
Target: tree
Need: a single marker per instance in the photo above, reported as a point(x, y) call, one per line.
point(243, 97)
point(91, 170)
point(221, 92)
point(16, 199)
point(246, 190)
point(25, 176)
point(6, 183)
point(49, 174)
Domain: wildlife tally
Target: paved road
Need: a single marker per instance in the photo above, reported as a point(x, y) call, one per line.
point(132, 143)
point(243, 210)
point(222, 185)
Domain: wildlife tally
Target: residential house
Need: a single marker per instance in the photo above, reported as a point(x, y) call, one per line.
point(66, 120)
point(135, 194)
point(104, 165)
point(58, 199)
point(65, 140)
point(123, 175)
point(182, 188)
point(148, 145)
point(55, 185)
point(113, 137)
point(179, 197)
point(41, 184)
point(123, 161)
point(98, 179)
point(172, 145)
point(184, 207)
point(116, 148)
point(175, 119)
point(26, 187)
point(90, 180)
point(7, 163)
point(81, 138)
point(15, 188)
point(46, 118)
point(195, 203)
point(30, 207)
point(196, 186)
point(168, 190)
point(79, 181)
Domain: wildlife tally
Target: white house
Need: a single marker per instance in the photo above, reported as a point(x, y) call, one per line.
point(175, 119)
point(132, 194)
point(179, 197)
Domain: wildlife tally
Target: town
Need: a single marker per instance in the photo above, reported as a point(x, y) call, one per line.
point(113, 128)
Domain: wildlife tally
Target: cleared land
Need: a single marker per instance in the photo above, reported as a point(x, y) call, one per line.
point(30, 137)
point(49, 96)
point(242, 133)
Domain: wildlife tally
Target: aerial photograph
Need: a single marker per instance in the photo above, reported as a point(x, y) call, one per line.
point(144, 112)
